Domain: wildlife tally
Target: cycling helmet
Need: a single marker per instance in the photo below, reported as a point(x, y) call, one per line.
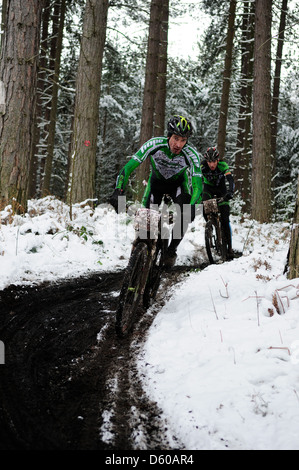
point(179, 125)
point(212, 154)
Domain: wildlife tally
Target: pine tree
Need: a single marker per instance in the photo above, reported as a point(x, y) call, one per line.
point(18, 74)
point(261, 145)
point(293, 258)
point(160, 101)
point(86, 115)
point(276, 83)
point(223, 114)
point(61, 6)
point(242, 170)
point(149, 94)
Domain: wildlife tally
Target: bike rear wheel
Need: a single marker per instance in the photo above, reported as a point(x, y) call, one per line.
point(131, 291)
point(215, 242)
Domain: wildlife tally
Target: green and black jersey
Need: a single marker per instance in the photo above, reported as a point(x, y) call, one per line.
point(166, 166)
point(216, 178)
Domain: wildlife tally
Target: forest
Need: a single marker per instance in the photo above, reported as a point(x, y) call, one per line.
point(83, 84)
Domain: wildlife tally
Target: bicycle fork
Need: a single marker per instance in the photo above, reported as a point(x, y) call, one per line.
point(151, 247)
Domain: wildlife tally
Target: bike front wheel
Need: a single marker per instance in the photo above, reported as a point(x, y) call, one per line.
point(215, 243)
point(131, 291)
point(155, 274)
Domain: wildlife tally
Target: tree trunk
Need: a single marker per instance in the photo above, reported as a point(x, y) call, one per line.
point(159, 118)
point(83, 145)
point(3, 20)
point(53, 111)
point(34, 172)
point(261, 139)
point(242, 170)
point(293, 260)
point(226, 79)
point(149, 94)
point(18, 74)
point(276, 83)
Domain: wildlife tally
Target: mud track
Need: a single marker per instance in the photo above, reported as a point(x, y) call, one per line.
point(68, 383)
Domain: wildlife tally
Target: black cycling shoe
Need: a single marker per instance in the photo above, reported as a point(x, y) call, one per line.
point(230, 254)
point(170, 258)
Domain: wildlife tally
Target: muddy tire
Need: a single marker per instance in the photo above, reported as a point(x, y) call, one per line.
point(214, 241)
point(131, 291)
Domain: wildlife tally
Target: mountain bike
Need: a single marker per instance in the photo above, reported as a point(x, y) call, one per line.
point(143, 273)
point(215, 240)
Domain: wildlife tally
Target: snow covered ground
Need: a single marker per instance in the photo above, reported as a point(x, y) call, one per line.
point(222, 356)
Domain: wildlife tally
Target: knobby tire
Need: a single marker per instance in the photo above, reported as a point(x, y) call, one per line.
point(155, 274)
point(214, 241)
point(131, 291)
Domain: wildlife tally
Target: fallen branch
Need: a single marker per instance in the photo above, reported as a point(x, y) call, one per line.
point(273, 347)
point(225, 285)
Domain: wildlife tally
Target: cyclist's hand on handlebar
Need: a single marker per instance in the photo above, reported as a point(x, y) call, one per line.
point(113, 199)
point(228, 196)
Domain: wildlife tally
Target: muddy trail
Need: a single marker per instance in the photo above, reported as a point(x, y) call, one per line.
point(68, 383)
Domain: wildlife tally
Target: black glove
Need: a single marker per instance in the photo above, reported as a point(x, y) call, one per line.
point(228, 196)
point(113, 199)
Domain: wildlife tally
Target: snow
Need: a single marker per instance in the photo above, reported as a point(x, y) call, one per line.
point(222, 356)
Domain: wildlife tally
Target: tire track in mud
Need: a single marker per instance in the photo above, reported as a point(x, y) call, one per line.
point(68, 383)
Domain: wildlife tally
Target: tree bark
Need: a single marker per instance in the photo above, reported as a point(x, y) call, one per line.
point(3, 20)
point(276, 83)
point(159, 117)
point(242, 170)
point(293, 260)
point(261, 139)
point(226, 79)
point(34, 172)
point(149, 94)
point(18, 74)
point(83, 147)
point(53, 111)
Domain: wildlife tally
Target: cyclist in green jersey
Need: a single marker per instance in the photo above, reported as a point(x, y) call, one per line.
point(172, 160)
point(218, 182)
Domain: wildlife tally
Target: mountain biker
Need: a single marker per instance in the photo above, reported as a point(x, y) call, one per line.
point(171, 157)
point(218, 182)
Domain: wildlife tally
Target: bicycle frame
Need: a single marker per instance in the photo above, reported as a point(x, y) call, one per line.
point(142, 276)
point(148, 229)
